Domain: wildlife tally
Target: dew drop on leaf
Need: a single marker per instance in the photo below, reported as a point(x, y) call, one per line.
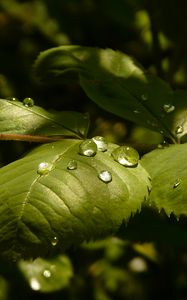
point(47, 273)
point(144, 97)
point(105, 176)
point(88, 148)
point(35, 285)
point(28, 102)
point(179, 129)
point(136, 111)
point(12, 99)
point(44, 168)
point(54, 241)
point(101, 143)
point(72, 165)
point(163, 145)
point(168, 108)
point(126, 156)
point(177, 183)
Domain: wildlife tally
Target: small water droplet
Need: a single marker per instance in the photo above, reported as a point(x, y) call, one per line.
point(126, 156)
point(105, 176)
point(179, 129)
point(168, 108)
point(12, 99)
point(163, 145)
point(177, 183)
point(161, 132)
point(35, 285)
point(28, 102)
point(101, 143)
point(72, 165)
point(88, 148)
point(144, 97)
point(44, 168)
point(136, 111)
point(54, 241)
point(47, 273)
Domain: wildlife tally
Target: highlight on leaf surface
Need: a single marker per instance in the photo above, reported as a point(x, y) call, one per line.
point(119, 85)
point(168, 170)
point(56, 197)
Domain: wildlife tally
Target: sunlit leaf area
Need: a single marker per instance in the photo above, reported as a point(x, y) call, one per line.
point(93, 158)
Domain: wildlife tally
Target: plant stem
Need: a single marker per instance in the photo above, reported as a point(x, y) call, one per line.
point(32, 138)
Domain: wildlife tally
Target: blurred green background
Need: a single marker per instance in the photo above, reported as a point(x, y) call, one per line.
point(151, 262)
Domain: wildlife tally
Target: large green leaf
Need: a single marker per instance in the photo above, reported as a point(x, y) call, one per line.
point(17, 118)
point(45, 210)
point(168, 169)
point(118, 84)
point(47, 275)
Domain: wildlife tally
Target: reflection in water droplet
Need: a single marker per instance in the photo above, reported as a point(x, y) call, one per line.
point(47, 273)
point(88, 148)
point(168, 108)
point(101, 143)
point(72, 165)
point(35, 285)
point(28, 102)
point(44, 168)
point(179, 129)
point(136, 111)
point(144, 97)
point(126, 156)
point(54, 241)
point(12, 99)
point(177, 183)
point(105, 176)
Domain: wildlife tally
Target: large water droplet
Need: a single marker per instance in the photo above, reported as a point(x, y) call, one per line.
point(179, 129)
point(101, 143)
point(126, 156)
point(54, 241)
point(28, 102)
point(47, 273)
point(44, 168)
point(177, 183)
point(105, 176)
point(88, 148)
point(72, 165)
point(35, 285)
point(168, 108)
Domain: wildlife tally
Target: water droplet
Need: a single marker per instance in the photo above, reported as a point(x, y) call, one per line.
point(136, 111)
point(126, 156)
point(161, 131)
point(163, 145)
point(88, 148)
point(54, 241)
point(12, 99)
point(44, 168)
point(101, 143)
point(35, 285)
point(144, 97)
point(72, 165)
point(28, 102)
point(47, 273)
point(168, 108)
point(179, 129)
point(105, 176)
point(177, 183)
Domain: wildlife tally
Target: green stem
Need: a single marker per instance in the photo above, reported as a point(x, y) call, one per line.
point(32, 138)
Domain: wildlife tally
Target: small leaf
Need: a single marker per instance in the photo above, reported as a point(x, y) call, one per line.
point(168, 169)
point(119, 85)
point(44, 213)
point(16, 118)
point(47, 275)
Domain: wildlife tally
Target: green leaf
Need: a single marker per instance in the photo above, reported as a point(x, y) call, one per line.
point(47, 207)
point(16, 118)
point(168, 169)
point(119, 85)
point(47, 275)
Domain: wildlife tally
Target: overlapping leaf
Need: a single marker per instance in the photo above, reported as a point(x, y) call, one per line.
point(168, 169)
point(16, 118)
point(42, 214)
point(119, 85)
